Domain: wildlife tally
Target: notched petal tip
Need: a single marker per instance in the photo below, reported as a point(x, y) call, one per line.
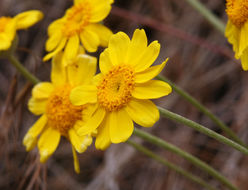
point(29, 142)
point(44, 155)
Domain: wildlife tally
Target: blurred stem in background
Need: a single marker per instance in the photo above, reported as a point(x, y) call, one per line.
point(170, 165)
point(203, 109)
point(180, 119)
point(9, 54)
point(197, 162)
point(207, 14)
point(22, 69)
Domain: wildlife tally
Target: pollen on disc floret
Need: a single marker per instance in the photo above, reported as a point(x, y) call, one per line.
point(237, 11)
point(115, 89)
point(77, 18)
point(61, 114)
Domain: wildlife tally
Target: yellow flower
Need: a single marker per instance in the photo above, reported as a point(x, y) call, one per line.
point(121, 91)
point(59, 116)
point(237, 29)
point(80, 23)
point(8, 26)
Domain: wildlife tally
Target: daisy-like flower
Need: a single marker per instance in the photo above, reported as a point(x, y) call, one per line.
point(58, 116)
point(122, 90)
point(81, 23)
point(237, 29)
point(9, 26)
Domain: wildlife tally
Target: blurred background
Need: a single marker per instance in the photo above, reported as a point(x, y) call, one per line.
point(200, 62)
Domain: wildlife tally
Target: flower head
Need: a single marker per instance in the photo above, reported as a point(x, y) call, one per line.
point(80, 23)
point(9, 26)
point(122, 90)
point(59, 116)
point(237, 29)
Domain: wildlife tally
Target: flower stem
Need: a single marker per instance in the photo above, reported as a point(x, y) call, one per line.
point(203, 109)
point(202, 129)
point(22, 69)
point(207, 14)
point(170, 165)
point(197, 162)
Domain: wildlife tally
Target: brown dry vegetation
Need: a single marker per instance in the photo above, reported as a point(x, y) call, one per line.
point(200, 62)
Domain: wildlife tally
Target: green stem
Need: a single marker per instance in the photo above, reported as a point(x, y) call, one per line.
point(202, 129)
point(203, 109)
point(197, 162)
point(207, 14)
point(170, 165)
point(23, 70)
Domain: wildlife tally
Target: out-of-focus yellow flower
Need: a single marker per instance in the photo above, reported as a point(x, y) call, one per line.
point(8, 26)
point(81, 22)
point(237, 29)
point(122, 90)
point(59, 116)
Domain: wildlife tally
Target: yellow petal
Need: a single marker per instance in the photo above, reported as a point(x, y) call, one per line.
point(143, 112)
point(93, 123)
point(30, 139)
point(42, 90)
point(5, 42)
point(100, 10)
point(83, 94)
point(121, 126)
point(90, 40)
point(148, 57)
point(151, 89)
point(118, 46)
point(71, 48)
point(105, 62)
point(8, 35)
point(243, 43)
point(103, 137)
point(103, 33)
point(83, 70)
point(55, 26)
point(244, 60)
point(77, 1)
point(97, 78)
point(233, 34)
point(28, 18)
point(88, 111)
point(137, 46)
point(53, 41)
point(37, 106)
point(48, 143)
point(57, 50)
point(58, 74)
point(149, 73)
point(80, 143)
point(75, 161)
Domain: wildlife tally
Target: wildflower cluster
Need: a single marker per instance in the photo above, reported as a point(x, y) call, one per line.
point(83, 105)
point(79, 104)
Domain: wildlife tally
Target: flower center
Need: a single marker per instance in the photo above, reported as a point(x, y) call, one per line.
point(77, 17)
point(61, 114)
point(3, 23)
point(237, 11)
point(114, 91)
